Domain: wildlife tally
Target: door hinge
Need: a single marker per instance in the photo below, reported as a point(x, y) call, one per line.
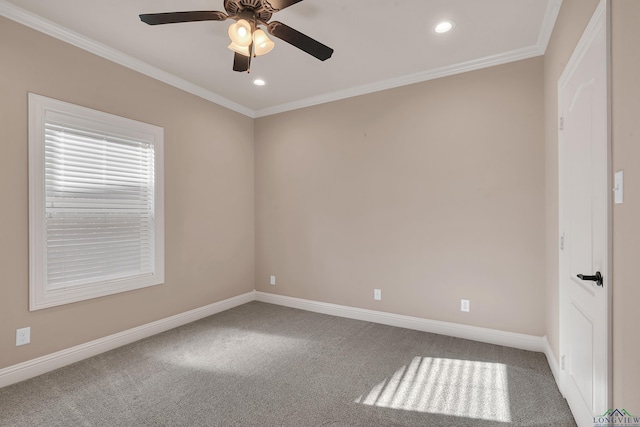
point(562, 362)
point(561, 123)
point(562, 242)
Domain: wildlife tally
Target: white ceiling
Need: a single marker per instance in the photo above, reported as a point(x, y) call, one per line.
point(378, 44)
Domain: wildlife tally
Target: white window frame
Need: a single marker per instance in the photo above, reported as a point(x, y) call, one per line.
point(42, 294)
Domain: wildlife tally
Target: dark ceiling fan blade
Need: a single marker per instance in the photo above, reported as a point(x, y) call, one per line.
point(299, 40)
point(276, 5)
point(175, 17)
point(241, 62)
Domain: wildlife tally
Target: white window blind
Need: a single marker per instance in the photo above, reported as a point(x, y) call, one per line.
point(99, 222)
point(99, 206)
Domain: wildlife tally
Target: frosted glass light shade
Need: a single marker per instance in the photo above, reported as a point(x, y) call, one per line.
point(242, 50)
point(262, 43)
point(240, 33)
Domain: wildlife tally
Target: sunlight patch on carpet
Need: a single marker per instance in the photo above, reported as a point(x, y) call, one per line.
point(460, 388)
point(236, 352)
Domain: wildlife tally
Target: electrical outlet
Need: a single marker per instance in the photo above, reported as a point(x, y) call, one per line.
point(377, 294)
point(464, 305)
point(272, 280)
point(23, 336)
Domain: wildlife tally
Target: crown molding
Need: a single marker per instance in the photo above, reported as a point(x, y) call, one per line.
point(539, 49)
point(463, 67)
point(548, 24)
point(38, 23)
point(17, 14)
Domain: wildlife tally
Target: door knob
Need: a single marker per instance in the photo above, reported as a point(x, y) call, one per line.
point(597, 278)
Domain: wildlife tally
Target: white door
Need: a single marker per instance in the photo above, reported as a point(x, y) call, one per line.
point(584, 223)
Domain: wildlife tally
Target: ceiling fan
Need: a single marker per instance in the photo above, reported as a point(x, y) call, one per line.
point(247, 38)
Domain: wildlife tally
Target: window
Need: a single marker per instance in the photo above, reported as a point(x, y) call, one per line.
point(96, 209)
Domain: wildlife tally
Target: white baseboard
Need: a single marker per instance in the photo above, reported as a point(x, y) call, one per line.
point(553, 364)
point(50, 362)
point(490, 336)
point(35, 367)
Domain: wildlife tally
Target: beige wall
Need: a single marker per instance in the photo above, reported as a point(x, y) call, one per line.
point(625, 45)
point(572, 21)
point(208, 199)
point(431, 192)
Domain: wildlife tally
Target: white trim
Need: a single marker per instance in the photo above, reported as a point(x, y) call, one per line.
point(553, 364)
point(436, 73)
point(24, 17)
point(589, 34)
point(490, 336)
point(548, 24)
point(42, 294)
point(41, 365)
point(32, 368)
point(539, 49)
point(15, 13)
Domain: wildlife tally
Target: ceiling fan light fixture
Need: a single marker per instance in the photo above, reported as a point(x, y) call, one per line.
point(242, 50)
point(262, 44)
point(240, 33)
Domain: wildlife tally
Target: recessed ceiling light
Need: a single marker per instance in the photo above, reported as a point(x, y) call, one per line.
point(444, 27)
point(259, 82)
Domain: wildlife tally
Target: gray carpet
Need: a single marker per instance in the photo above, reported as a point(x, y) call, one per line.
point(265, 365)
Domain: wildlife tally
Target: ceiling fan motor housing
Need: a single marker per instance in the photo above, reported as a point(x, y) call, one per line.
point(261, 9)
